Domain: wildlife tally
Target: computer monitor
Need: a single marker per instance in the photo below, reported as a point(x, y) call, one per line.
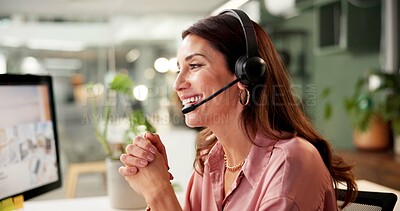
point(29, 156)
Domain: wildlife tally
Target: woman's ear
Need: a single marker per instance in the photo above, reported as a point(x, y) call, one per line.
point(241, 86)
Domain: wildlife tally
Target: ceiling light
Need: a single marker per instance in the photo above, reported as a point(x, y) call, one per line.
point(30, 65)
point(13, 42)
point(374, 82)
point(132, 55)
point(56, 45)
point(140, 92)
point(161, 65)
point(173, 65)
point(280, 7)
point(232, 4)
point(149, 73)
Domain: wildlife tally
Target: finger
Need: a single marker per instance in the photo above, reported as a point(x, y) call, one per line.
point(144, 144)
point(139, 152)
point(127, 170)
point(156, 141)
point(129, 160)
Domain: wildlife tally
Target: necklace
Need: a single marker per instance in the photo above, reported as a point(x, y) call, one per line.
point(233, 168)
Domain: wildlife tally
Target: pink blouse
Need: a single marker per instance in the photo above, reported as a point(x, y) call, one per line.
point(281, 175)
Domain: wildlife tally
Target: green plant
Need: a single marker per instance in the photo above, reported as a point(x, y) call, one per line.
point(391, 107)
point(136, 122)
point(328, 108)
point(360, 106)
point(375, 93)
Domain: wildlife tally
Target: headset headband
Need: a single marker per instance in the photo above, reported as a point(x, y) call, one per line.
point(248, 30)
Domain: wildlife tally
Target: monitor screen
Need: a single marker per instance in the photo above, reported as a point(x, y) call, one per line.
point(29, 157)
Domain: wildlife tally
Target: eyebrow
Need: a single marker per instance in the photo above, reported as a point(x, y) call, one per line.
point(191, 56)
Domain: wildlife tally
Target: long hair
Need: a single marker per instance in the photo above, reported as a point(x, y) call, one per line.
point(273, 106)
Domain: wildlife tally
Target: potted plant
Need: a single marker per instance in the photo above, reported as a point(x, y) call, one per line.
point(391, 107)
point(115, 125)
point(364, 107)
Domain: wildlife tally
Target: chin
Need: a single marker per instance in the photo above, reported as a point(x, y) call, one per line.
point(192, 120)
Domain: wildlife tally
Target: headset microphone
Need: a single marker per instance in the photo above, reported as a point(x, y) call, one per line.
point(190, 108)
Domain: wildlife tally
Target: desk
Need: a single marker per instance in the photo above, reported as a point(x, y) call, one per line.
point(102, 203)
point(377, 167)
point(98, 203)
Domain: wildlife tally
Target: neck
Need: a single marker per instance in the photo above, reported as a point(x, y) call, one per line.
point(236, 143)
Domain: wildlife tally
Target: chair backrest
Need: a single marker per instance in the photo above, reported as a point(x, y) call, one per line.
point(369, 201)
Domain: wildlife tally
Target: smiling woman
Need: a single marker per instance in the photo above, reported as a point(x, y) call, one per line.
point(201, 63)
point(264, 155)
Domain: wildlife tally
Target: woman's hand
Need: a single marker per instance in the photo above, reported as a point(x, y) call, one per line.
point(151, 180)
point(149, 175)
point(142, 152)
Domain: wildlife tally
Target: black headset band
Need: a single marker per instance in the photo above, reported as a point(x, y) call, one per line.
point(248, 30)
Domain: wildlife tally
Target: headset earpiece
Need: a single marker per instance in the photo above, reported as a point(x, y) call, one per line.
point(249, 68)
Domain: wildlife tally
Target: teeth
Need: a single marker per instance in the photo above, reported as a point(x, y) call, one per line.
point(191, 100)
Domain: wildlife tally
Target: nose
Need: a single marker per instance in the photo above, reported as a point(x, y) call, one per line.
point(181, 82)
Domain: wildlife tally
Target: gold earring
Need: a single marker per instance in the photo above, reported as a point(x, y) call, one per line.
point(247, 96)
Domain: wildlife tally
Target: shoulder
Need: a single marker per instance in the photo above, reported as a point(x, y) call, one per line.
point(298, 158)
point(295, 144)
point(297, 172)
point(295, 155)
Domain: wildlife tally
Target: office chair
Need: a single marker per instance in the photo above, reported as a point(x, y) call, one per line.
point(369, 201)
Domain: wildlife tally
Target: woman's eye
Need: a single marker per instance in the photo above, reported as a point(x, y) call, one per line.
point(194, 66)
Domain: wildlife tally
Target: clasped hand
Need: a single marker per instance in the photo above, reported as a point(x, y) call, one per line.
point(146, 165)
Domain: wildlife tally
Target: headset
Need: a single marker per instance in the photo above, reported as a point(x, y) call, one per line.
point(249, 68)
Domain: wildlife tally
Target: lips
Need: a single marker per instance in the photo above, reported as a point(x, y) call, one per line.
point(191, 100)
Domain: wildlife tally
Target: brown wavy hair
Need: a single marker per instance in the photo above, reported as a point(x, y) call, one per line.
point(273, 106)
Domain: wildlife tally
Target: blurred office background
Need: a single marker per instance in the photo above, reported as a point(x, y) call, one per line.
point(326, 44)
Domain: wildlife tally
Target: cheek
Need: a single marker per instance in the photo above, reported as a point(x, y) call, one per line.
point(226, 100)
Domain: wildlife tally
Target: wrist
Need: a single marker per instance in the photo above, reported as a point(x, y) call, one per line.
point(164, 200)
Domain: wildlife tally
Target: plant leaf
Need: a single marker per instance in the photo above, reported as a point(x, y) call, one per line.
point(327, 111)
point(123, 84)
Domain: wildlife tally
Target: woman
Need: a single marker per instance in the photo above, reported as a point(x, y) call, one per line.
point(258, 150)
